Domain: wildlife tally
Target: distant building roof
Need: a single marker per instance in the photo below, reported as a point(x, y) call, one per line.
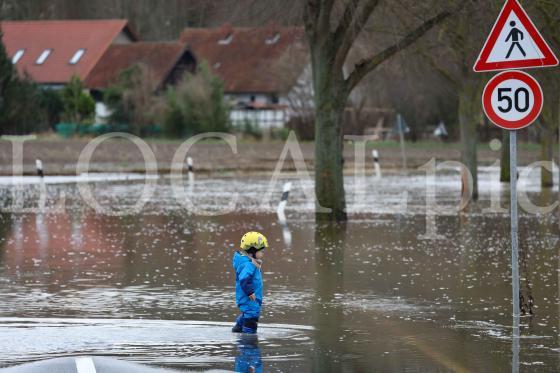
point(250, 60)
point(159, 58)
point(50, 52)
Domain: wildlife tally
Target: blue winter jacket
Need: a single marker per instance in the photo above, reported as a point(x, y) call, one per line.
point(248, 280)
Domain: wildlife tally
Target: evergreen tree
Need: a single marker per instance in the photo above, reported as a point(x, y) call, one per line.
point(52, 106)
point(20, 112)
point(8, 76)
point(79, 107)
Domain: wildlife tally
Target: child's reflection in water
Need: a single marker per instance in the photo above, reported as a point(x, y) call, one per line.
point(248, 358)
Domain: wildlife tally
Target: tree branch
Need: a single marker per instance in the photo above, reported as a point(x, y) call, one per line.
point(362, 68)
point(441, 71)
point(345, 38)
point(325, 14)
point(347, 17)
point(549, 19)
point(310, 14)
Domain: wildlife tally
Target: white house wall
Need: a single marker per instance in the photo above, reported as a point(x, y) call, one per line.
point(102, 112)
point(300, 99)
point(265, 119)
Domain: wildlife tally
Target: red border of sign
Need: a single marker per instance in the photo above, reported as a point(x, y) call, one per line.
point(482, 63)
point(495, 118)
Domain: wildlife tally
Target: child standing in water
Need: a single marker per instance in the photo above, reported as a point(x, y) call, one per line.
point(248, 281)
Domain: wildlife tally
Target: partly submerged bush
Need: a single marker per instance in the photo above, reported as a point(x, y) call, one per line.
point(196, 105)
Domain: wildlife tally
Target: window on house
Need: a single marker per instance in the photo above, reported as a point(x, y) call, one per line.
point(226, 40)
point(17, 56)
point(273, 39)
point(43, 57)
point(77, 56)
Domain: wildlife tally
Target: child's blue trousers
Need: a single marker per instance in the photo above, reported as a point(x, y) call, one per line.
point(244, 324)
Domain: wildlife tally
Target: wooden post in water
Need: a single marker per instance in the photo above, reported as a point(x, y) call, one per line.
point(401, 125)
point(376, 166)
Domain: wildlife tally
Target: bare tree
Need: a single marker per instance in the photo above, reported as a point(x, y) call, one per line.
point(152, 19)
point(548, 13)
point(132, 99)
point(332, 28)
point(458, 44)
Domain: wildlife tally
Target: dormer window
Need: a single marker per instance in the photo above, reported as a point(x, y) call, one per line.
point(16, 57)
point(43, 57)
point(227, 40)
point(273, 40)
point(77, 56)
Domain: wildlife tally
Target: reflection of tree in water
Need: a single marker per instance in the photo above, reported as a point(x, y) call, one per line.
point(328, 314)
point(5, 227)
point(248, 357)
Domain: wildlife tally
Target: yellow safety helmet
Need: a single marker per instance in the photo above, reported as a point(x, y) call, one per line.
point(253, 239)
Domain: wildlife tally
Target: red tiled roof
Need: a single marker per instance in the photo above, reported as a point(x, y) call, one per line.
point(64, 38)
point(159, 58)
point(248, 64)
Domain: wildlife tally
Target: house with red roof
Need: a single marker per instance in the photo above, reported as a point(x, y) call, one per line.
point(166, 63)
point(51, 52)
point(265, 70)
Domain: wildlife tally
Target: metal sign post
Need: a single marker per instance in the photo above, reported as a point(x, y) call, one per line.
point(514, 229)
point(514, 250)
point(513, 100)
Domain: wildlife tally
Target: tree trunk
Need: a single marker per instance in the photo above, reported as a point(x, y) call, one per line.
point(469, 118)
point(504, 162)
point(548, 128)
point(556, 109)
point(329, 112)
point(547, 150)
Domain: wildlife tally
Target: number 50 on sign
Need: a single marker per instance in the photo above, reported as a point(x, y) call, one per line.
point(512, 100)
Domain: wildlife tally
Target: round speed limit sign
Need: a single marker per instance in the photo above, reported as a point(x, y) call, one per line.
point(512, 100)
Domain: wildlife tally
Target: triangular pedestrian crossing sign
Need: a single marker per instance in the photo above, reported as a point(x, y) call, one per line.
point(514, 43)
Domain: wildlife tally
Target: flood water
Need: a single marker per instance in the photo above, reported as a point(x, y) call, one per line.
point(374, 294)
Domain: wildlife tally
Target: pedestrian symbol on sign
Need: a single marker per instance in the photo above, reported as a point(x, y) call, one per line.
point(514, 43)
point(515, 35)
